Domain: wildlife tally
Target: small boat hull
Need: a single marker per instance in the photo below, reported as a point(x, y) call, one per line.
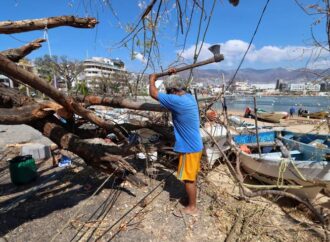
point(211, 151)
point(310, 161)
point(274, 117)
point(316, 115)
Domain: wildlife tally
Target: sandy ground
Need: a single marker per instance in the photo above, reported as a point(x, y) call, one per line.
point(63, 200)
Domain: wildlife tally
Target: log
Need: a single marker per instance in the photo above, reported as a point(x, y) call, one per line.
point(22, 115)
point(119, 102)
point(10, 97)
point(11, 27)
point(19, 53)
point(102, 157)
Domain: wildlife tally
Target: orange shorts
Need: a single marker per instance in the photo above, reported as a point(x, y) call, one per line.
point(189, 166)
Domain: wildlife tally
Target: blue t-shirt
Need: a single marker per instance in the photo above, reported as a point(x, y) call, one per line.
point(185, 121)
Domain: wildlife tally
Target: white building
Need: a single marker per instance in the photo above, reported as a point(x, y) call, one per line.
point(297, 87)
point(99, 68)
point(241, 86)
point(264, 86)
point(313, 87)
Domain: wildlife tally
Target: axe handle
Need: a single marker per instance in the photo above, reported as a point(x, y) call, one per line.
point(201, 63)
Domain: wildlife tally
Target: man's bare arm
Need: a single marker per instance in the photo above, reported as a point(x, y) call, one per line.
point(153, 91)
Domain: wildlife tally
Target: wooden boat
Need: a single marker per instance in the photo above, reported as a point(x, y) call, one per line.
point(307, 163)
point(211, 151)
point(316, 115)
point(272, 117)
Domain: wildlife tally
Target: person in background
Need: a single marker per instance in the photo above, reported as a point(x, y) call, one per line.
point(188, 140)
point(247, 112)
point(292, 111)
point(299, 112)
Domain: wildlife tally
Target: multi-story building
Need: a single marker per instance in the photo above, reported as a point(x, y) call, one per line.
point(302, 87)
point(312, 87)
point(241, 86)
point(297, 87)
point(99, 69)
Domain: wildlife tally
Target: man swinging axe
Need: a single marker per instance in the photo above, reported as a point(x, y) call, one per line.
point(185, 115)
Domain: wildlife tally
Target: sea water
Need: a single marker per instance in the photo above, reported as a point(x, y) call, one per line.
point(278, 103)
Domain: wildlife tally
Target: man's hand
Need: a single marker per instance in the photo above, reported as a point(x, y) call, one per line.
point(172, 70)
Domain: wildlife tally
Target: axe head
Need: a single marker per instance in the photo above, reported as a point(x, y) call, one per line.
point(215, 49)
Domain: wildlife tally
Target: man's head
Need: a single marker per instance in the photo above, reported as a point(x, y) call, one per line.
point(174, 84)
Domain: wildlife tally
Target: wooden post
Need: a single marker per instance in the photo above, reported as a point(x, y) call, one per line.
point(195, 92)
point(256, 123)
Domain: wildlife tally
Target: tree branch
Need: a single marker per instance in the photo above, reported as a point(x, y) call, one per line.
point(11, 27)
point(19, 53)
point(22, 115)
point(118, 102)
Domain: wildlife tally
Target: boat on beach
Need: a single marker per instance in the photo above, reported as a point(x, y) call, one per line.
point(218, 133)
point(316, 115)
point(287, 158)
point(271, 117)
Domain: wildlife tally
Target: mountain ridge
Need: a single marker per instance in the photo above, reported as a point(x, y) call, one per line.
point(254, 76)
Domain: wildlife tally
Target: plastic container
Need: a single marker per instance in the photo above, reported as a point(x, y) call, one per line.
point(22, 169)
point(38, 151)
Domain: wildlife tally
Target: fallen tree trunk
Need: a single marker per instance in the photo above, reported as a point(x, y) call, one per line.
point(11, 27)
point(106, 158)
point(19, 53)
point(20, 115)
point(12, 98)
point(118, 102)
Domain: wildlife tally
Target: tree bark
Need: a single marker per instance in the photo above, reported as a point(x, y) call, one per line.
point(102, 157)
point(118, 102)
point(12, 98)
point(22, 115)
point(19, 53)
point(11, 27)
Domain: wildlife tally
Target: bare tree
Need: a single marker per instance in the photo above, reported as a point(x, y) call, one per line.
point(62, 68)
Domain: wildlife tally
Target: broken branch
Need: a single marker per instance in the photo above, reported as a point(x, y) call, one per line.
point(11, 27)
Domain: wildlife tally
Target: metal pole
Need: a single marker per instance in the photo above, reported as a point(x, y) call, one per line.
point(256, 124)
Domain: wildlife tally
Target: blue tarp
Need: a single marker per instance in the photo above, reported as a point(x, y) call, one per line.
point(252, 138)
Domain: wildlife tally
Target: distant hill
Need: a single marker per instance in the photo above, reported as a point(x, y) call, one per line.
point(211, 76)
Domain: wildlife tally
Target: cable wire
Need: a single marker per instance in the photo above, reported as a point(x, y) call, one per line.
point(247, 50)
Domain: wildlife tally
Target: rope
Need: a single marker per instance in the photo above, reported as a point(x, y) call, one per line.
point(46, 36)
point(281, 170)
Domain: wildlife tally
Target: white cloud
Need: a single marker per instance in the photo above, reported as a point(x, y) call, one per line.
point(320, 64)
point(233, 51)
point(140, 57)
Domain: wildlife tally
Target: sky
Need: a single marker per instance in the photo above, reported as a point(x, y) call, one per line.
point(283, 39)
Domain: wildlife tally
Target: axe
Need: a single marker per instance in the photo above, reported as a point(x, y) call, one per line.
point(217, 57)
